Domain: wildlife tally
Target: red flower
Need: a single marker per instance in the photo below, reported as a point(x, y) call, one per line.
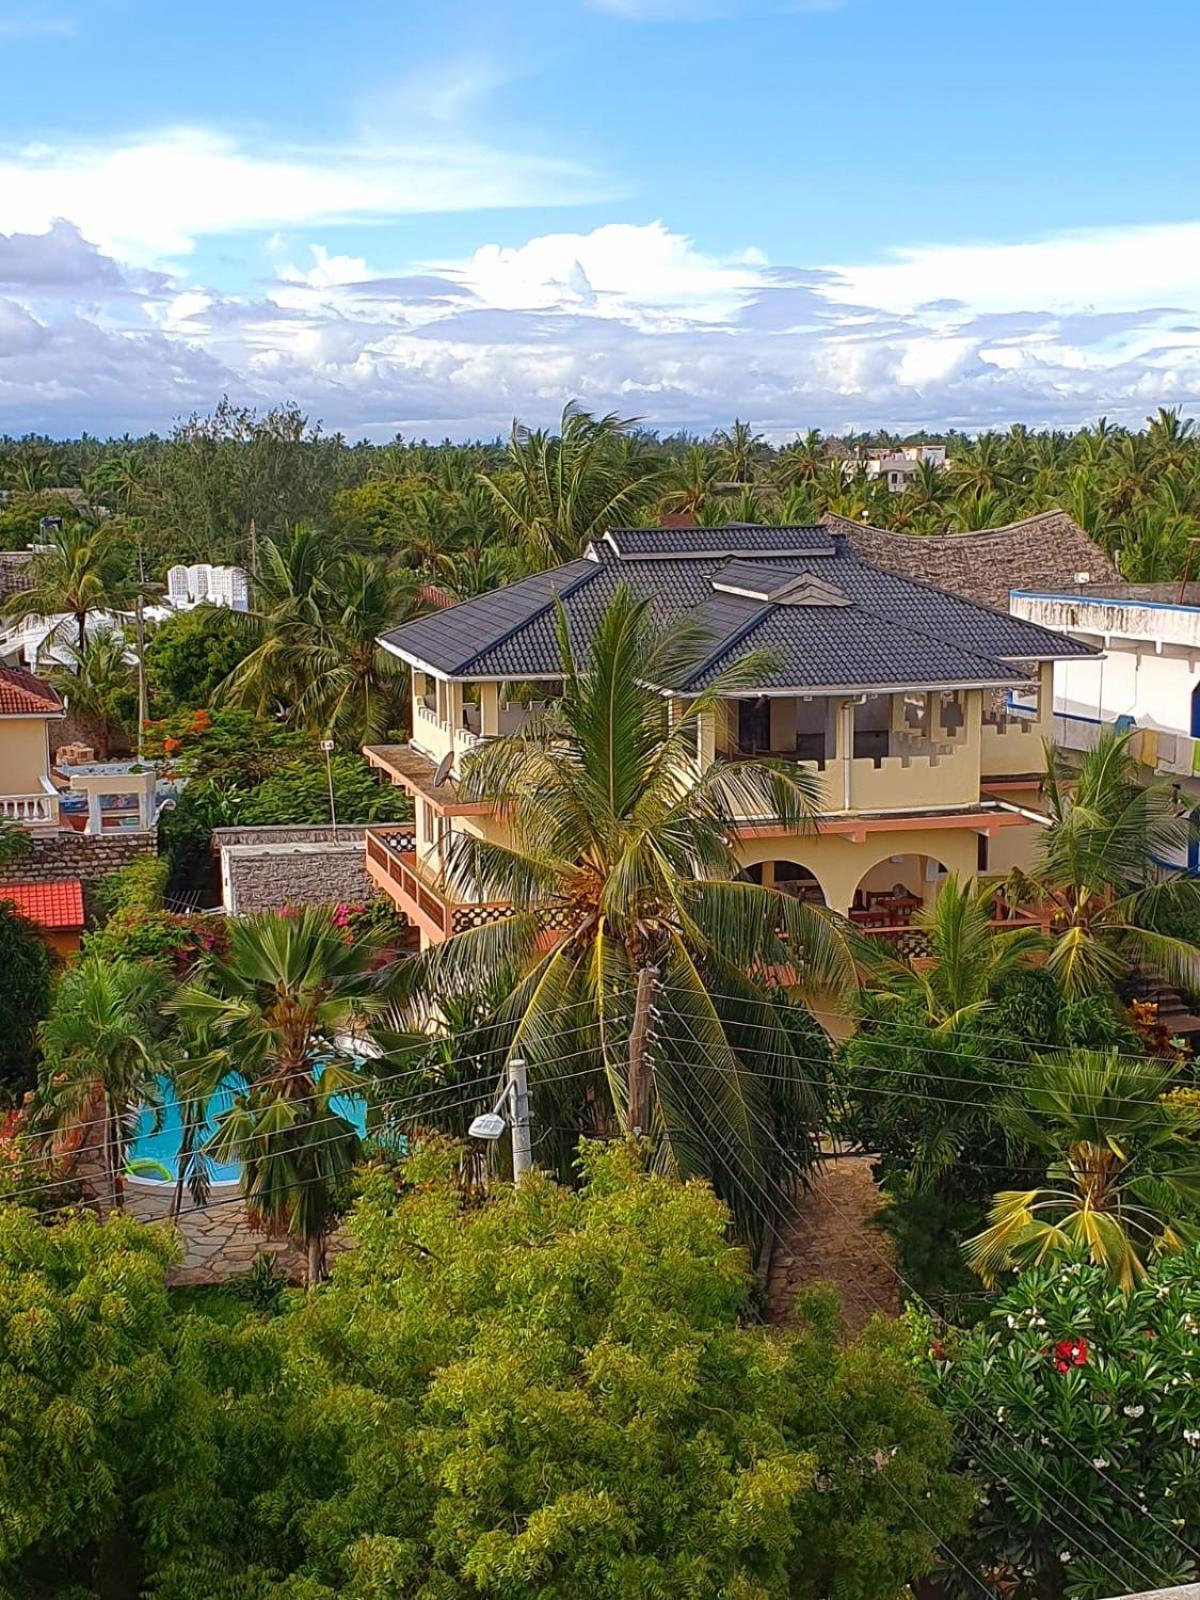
point(1070, 1353)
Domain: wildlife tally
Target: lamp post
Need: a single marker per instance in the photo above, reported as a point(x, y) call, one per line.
point(491, 1124)
point(327, 747)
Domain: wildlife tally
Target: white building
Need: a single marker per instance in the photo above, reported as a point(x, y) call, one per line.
point(898, 467)
point(204, 584)
point(1148, 677)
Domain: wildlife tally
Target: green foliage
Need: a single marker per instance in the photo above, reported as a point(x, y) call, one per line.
point(1078, 1416)
point(100, 1453)
point(140, 886)
point(24, 1001)
point(262, 1288)
point(190, 654)
point(21, 516)
point(162, 938)
point(299, 793)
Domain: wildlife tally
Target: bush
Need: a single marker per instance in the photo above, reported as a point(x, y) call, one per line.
point(191, 653)
point(138, 887)
point(172, 942)
point(1078, 1414)
point(25, 971)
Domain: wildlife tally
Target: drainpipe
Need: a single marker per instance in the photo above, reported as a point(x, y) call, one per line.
point(848, 744)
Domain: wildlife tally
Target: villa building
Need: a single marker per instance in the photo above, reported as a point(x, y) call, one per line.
point(920, 713)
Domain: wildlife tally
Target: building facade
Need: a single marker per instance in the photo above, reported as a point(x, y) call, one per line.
point(920, 714)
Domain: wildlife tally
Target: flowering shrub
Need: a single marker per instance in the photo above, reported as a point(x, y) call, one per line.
point(161, 937)
point(1077, 1410)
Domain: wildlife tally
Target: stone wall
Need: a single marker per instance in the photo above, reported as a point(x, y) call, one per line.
point(291, 833)
point(269, 877)
point(86, 856)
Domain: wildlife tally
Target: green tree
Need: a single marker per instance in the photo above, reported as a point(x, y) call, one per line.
point(560, 490)
point(624, 852)
point(24, 1001)
point(1078, 1418)
point(97, 681)
point(99, 1056)
point(281, 1003)
point(77, 574)
point(1123, 1182)
point(555, 1393)
point(1098, 872)
point(189, 655)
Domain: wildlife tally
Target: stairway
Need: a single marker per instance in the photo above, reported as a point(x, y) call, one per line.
point(1170, 1005)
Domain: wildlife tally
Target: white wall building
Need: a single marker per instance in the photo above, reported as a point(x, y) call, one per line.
point(204, 584)
point(1148, 677)
point(898, 467)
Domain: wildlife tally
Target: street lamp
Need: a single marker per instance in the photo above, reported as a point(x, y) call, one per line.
point(327, 747)
point(491, 1125)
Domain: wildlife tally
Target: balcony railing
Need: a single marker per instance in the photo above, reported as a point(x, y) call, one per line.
point(29, 810)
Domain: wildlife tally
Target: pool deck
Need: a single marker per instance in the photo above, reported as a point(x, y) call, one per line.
point(217, 1240)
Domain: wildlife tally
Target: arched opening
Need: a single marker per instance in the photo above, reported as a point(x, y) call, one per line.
point(790, 878)
point(893, 892)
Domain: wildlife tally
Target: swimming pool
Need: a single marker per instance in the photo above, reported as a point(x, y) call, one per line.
point(153, 1153)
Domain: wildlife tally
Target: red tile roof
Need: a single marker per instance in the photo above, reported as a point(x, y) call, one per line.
point(50, 905)
point(23, 695)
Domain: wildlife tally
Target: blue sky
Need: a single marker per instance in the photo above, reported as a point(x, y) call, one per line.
point(830, 213)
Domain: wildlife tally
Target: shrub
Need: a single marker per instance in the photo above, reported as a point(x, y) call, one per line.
point(160, 937)
point(138, 887)
point(1078, 1414)
point(25, 970)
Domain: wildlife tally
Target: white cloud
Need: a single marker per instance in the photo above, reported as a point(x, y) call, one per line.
point(631, 317)
point(151, 196)
point(28, 22)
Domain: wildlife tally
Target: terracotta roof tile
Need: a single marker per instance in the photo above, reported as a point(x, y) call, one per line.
point(23, 695)
point(50, 905)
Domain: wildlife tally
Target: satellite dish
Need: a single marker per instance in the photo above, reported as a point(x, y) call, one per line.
point(443, 769)
point(489, 1126)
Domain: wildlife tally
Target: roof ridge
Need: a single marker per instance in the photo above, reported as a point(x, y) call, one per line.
point(834, 518)
point(760, 614)
point(565, 593)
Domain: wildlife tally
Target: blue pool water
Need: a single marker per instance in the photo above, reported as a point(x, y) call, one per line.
point(158, 1133)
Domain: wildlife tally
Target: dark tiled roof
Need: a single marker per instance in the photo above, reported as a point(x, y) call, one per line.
point(734, 539)
point(1039, 552)
point(836, 621)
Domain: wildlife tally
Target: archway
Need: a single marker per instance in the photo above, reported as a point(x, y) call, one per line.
point(895, 890)
point(790, 878)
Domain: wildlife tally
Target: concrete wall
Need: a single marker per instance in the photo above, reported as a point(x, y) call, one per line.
point(88, 857)
point(267, 877)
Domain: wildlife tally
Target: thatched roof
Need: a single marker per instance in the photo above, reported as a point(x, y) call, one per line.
point(1048, 551)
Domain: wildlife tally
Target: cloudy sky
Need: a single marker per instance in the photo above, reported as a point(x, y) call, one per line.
point(429, 216)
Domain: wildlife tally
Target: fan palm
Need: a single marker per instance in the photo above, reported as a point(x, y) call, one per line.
point(969, 957)
point(1099, 873)
point(100, 1060)
point(637, 951)
point(1124, 1179)
point(280, 1004)
point(75, 574)
point(560, 490)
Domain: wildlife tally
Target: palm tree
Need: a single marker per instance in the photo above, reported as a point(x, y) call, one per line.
point(692, 481)
point(560, 490)
point(197, 1069)
point(96, 681)
point(1098, 872)
point(280, 1004)
point(801, 461)
point(637, 951)
point(740, 450)
point(1124, 1167)
point(968, 955)
point(98, 1044)
point(77, 573)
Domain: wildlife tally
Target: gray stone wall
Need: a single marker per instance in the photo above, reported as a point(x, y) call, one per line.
point(88, 857)
point(288, 833)
point(305, 876)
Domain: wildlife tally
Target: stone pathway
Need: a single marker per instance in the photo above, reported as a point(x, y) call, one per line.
point(831, 1238)
point(218, 1241)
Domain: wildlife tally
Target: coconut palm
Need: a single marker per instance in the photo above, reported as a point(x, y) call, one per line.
point(75, 574)
point(96, 681)
point(560, 490)
point(739, 451)
point(968, 958)
point(692, 481)
point(281, 1004)
point(100, 1060)
point(1099, 872)
point(1124, 1178)
point(637, 958)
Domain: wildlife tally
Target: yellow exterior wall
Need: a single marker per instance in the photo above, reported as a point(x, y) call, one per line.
point(1017, 747)
point(24, 754)
point(840, 865)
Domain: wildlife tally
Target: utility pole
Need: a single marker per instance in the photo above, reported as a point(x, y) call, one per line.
point(518, 1100)
point(638, 1084)
point(139, 616)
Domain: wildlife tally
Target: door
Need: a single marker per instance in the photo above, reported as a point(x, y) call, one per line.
point(754, 725)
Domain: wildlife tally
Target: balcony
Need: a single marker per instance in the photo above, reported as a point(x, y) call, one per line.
point(30, 810)
point(392, 862)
